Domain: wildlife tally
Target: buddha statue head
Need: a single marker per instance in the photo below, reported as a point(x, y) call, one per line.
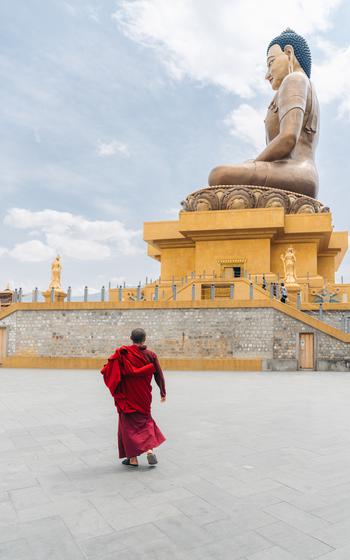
point(289, 52)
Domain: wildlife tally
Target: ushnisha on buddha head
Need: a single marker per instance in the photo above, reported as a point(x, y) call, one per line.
point(287, 53)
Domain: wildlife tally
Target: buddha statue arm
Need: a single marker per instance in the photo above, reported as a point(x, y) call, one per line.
point(292, 98)
point(283, 144)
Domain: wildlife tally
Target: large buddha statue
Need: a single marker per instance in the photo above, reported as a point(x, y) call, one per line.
point(292, 124)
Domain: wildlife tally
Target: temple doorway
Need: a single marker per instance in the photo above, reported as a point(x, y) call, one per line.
point(232, 272)
point(306, 351)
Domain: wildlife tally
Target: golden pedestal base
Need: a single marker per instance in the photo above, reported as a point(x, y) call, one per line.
point(59, 296)
point(222, 244)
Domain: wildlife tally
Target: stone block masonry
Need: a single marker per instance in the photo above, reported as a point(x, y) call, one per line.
point(264, 333)
point(335, 318)
point(170, 332)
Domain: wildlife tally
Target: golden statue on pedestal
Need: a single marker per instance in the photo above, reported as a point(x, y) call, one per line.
point(289, 262)
point(55, 293)
point(284, 174)
point(56, 268)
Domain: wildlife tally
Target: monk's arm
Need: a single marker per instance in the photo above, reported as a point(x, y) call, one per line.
point(159, 377)
point(129, 369)
point(284, 143)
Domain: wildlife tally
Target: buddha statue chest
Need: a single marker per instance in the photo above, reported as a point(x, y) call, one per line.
point(272, 122)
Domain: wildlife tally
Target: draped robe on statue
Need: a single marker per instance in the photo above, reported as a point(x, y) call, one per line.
point(128, 375)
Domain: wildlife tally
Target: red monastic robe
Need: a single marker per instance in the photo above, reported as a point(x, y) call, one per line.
point(128, 375)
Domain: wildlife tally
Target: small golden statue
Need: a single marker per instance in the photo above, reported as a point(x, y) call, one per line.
point(56, 268)
point(289, 262)
point(54, 293)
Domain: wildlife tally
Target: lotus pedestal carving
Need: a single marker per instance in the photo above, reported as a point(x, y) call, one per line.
point(242, 197)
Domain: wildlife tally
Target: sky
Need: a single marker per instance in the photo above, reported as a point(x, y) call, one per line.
point(112, 112)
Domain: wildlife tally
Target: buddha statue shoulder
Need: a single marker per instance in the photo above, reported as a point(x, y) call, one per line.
point(291, 125)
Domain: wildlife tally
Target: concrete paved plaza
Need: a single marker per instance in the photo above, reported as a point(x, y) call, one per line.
point(256, 466)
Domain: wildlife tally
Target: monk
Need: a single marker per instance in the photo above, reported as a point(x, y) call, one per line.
point(128, 375)
point(291, 125)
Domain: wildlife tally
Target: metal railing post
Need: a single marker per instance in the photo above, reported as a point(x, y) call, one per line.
point(156, 293)
point(35, 295)
point(193, 292)
point(251, 291)
point(320, 311)
point(52, 295)
point(103, 293)
point(120, 293)
point(298, 300)
point(174, 292)
point(212, 291)
point(232, 291)
point(271, 291)
point(69, 294)
point(138, 292)
point(86, 293)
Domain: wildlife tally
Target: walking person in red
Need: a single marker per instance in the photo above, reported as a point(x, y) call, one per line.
point(128, 375)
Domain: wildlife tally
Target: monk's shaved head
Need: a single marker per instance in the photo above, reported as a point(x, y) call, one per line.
point(138, 336)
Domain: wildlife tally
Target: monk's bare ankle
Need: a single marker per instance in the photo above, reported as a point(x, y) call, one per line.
point(133, 460)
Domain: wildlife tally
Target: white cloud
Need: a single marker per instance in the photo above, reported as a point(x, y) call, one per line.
point(332, 77)
point(223, 45)
point(247, 124)
point(70, 235)
point(32, 251)
point(106, 149)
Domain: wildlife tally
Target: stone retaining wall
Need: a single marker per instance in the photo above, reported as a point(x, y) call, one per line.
point(185, 333)
point(338, 319)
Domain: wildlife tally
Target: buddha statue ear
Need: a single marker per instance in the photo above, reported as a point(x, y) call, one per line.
point(289, 51)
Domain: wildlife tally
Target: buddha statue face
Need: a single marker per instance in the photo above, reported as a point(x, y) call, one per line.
point(279, 64)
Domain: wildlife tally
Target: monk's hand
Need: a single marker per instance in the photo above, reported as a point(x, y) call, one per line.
point(162, 399)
